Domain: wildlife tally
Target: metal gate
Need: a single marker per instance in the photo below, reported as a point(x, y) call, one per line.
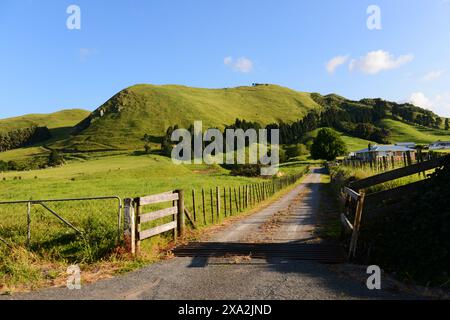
point(45, 204)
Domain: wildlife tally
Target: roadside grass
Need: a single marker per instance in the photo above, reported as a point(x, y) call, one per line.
point(329, 227)
point(54, 246)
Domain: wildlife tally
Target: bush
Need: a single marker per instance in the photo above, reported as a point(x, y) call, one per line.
point(55, 159)
point(296, 150)
point(3, 166)
point(246, 170)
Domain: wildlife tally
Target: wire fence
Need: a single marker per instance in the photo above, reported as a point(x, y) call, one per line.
point(211, 205)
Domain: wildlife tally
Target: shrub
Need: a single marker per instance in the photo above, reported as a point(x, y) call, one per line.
point(55, 159)
point(296, 150)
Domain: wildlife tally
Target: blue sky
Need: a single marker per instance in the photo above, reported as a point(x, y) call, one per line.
point(46, 67)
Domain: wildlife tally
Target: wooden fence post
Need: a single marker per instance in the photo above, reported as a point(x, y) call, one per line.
point(246, 196)
point(138, 227)
point(129, 226)
point(240, 202)
point(235, 200)
point(231, 201)
point(181, 217)
point(203, 206)
point(28, 224)
point(356, 225)
point(194, 207)
point(218, 203)
point(225, 201)
point(211, 204)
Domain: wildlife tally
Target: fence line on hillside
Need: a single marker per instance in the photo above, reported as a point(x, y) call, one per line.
point(387, 163)
point(211, 205)
point(173, 219)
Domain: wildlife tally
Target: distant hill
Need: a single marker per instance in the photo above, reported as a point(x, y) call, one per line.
point(124, 119)
point(121, 122)
point(59, 122)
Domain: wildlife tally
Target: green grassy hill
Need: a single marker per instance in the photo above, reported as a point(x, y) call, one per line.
point(60, 123)
point(123, 120)
point(60, 119)
point(403, 132)
point(120, 123)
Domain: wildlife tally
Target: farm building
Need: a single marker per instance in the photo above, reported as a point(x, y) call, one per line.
point(374, 152)
point(440, 145)
point(410, 145)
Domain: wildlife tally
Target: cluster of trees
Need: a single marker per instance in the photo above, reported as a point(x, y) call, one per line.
point(366, 131)
point(23, 137)
point(293, 133)
point(166, 142)
point(8, 166)
point(290, 135)
point(54, 159)
point(413, 114)
point(373, 110)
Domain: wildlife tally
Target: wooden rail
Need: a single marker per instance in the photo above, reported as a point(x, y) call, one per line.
point(398, 173)
point(354, 205)
point(357, 202)
point(134, 218)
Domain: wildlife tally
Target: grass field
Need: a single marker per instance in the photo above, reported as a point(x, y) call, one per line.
point(402, 132)
point(54, 245)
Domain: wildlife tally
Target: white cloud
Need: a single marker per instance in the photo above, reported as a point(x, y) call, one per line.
point(433, 75)
point(419, 99)
point(377, 61)
point(440, 103)
point(242, 64)
point(228, 60)
point(335, 63)
point(86, 52)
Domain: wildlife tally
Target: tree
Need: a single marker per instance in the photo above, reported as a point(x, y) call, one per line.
point(147, 140)
point(3, 166)
point(447, 124)
point(55, 159)
point(328, 145)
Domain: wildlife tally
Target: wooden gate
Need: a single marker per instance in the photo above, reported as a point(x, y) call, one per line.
point(135, 217)
point(364, 206)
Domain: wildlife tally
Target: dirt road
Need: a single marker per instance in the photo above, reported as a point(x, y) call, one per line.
point(292, 218)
